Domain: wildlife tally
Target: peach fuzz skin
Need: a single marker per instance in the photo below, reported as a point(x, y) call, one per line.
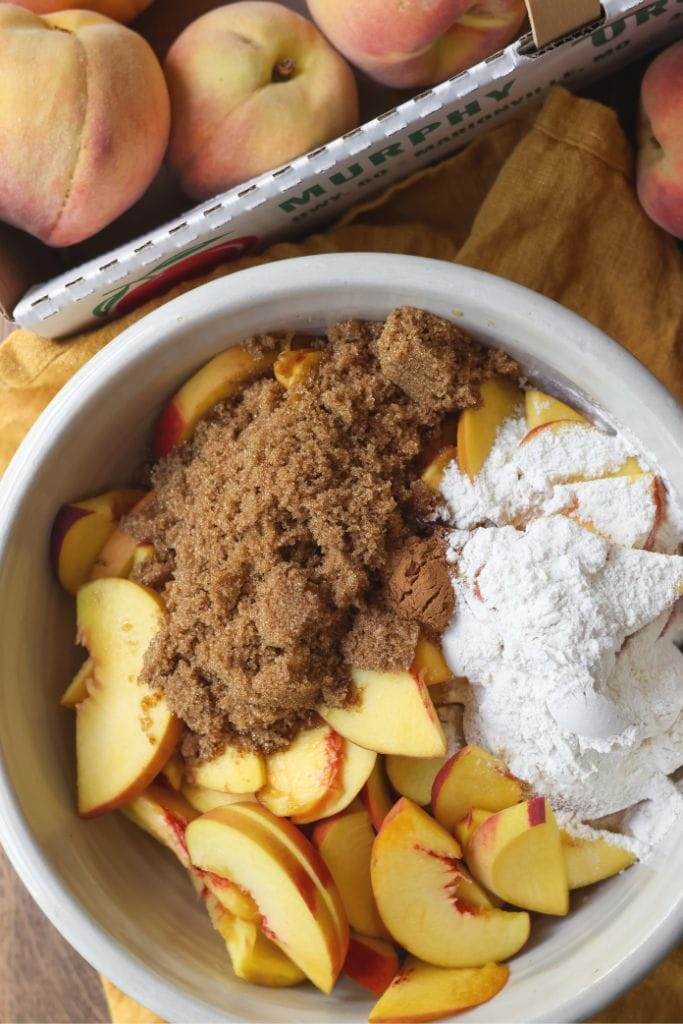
point(82, 135)
point(120, 10)
point(409, 43)
point(660, 154)
point(252, 85)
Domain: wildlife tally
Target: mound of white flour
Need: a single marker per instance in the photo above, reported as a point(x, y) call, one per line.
point(568, 640)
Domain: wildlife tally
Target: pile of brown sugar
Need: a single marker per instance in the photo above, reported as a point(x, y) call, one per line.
point(285, 528)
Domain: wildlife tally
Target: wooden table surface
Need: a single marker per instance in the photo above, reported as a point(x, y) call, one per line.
point(41, 978)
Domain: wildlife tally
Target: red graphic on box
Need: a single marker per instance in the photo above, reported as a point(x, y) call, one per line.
point(177, 268)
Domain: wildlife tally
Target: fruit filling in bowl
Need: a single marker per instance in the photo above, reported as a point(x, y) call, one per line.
point(385, 648)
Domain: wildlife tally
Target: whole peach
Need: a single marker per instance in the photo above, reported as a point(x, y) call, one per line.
point(119, 10)
point(409, 43)
point(252, 85)
point(84, 121)
point(660, 153)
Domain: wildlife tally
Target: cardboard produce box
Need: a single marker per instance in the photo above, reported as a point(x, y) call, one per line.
point(114, 272)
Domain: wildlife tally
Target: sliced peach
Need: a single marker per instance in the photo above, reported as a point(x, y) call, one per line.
point(429, 663)
point(121, 551)
point(204, 800)
point(375, 796)
point(165, 816)
point(143, 553)
point(357, 764)
point(293, 366)
point(478, 427)
point(229, 895)
point(308, 857)
point(541, 408)
point(467, 826)
point(125, 731)
point(300, 778)
point(473, 778)
point(604, 507)
point(393, 714)
point(290, 897)
point(445, 436)
point(116, 557)
point(254, 957)
point(372, 963)
point(429, 902)
point(591, 860)
point(630, 467)
point(517, 854)
point(218, 379)
point(80, 531)
point(420, 992)
point(345, 844)
point(414, 776)
point(234, 771)
point(172, 772)
point(77, 690)
point(432, 475)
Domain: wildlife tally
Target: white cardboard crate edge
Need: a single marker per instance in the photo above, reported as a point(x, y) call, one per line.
point(617, 932)
point(318, 186)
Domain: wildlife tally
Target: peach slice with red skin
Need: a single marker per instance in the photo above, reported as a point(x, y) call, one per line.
point(392, 714)
point(165, 816)
point(421, 992)
point(467, 826)
point(478, 426)
point(375, 796)
point(287, 886)
point(414, 776)
point(591, 860)
point(517, 854)
point(345, 844)
point(630, 467)
point(234, 771)
point(357, 764)
point(307, 855)
point(125, 731)
point(541, 408)
point(216, 380)
point(121, 551)
point(302, 777)
point(429, 902)
point(80, 531)
point(372, 963)
point(254, 957)
point(229, 895)
point(473, 778)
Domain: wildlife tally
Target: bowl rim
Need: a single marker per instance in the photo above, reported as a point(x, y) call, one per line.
point(205, 302)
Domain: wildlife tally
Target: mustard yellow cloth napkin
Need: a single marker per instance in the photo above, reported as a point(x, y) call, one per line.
point(546, 200)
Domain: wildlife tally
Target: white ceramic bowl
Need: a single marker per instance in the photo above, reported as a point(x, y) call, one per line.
point(113, 893)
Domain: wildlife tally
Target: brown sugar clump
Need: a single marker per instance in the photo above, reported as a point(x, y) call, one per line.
point(435, 363)
point(380, 639)
point(274, 525)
